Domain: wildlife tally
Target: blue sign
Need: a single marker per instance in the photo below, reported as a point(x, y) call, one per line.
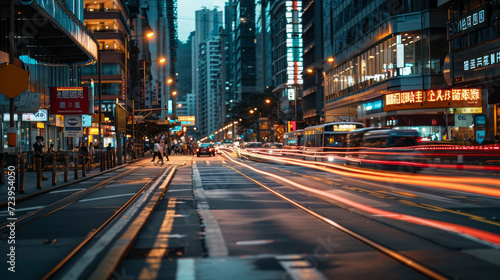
point(170, 107)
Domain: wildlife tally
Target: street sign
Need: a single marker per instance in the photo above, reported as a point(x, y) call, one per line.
point(73, 126)
point(13, 80)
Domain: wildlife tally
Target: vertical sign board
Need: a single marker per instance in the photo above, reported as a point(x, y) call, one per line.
point(121, 116)
point(73, 126)
point(480, 127)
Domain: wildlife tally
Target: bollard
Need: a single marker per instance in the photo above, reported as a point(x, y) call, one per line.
point(108, 159)
point(66, 167)
point(113, 155)
point(38, 166)
point(21, 175)
point(101, 155)
point(54, 169)
point(76, 165)
point(84, 166)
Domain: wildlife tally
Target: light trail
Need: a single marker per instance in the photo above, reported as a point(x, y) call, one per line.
point(488, 237)
point(438, 182)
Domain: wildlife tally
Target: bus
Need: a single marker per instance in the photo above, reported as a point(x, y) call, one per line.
point(294, 138)
point(329, 134)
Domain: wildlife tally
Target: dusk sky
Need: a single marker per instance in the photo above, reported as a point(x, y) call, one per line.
point(186, 14)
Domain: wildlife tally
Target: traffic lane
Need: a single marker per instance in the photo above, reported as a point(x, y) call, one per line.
point(450, 253)
point(472, 207)
point(42, 243)
point(254, 222)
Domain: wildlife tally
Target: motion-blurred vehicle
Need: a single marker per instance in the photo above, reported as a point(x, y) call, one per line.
point(252, 145)
point(390, 149)
point(271, 145)
point(205, 149)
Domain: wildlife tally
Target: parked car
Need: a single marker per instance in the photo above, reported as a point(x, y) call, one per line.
point(205, 149)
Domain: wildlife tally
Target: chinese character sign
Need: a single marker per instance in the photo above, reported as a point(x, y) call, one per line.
point(435, 98)
point(69, 100)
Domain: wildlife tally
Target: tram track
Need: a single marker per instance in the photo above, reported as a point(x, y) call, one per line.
point(100, 229)
point(395, 255)
point(61, 204)
point(392, 254)
point(48, 219)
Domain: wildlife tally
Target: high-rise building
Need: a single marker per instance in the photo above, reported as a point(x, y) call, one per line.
point(286, 30)
point(209, 97)
point(312, 91)
point(243, 48)
point(109, 21)
point(163, 19)
point(208, 23)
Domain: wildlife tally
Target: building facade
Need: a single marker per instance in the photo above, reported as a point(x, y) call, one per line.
point(312, 91)
point(208, 23)
point(386, 66)
point(209, 97)
point(52, 44)
point(473, 62)
point(286, 56)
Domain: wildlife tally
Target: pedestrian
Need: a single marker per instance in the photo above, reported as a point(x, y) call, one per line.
point(83, 153)
point(155, 150)
point(166, 151)
point(159, 152)
point(109, 148)
point(453, 138)
point(37, 147)
point(91, 153)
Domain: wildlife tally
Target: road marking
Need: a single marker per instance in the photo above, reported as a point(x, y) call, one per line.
point(208, 162)
point(24, 209)
point(70, 190)
point(307, 176)
point(215, 241)
point(299, 269)
point(254, 242)
point(405, 193)
point(155, 256)
point(106, 197)
point(440, 209)
point(186, 269)
point(179, 190)
point(224, 162)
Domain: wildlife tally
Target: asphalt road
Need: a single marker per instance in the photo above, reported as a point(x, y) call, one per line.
point(232, 218)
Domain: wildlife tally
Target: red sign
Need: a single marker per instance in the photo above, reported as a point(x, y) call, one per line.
point(69, 100)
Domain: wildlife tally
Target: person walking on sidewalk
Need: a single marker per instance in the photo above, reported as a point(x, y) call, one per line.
point(166, 150)
point(37, 147)
point(156, 148)
point(159, 152)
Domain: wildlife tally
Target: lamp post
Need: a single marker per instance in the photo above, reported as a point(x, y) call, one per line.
point(162, 60)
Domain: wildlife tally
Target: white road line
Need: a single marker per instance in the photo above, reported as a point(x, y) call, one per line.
point(24, 209)
point(299, 269)
point(208, 162)
point(186, 269)
point(106, 197)
point(70, 190)
point(179, 190)
point(215, 241)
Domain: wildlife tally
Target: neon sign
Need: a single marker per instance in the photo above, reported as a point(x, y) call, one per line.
point(433, 98)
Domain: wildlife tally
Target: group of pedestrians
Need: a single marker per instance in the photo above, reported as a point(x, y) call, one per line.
point(160, 150)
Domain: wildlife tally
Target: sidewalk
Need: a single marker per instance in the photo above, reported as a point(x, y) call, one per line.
point(30, 188)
